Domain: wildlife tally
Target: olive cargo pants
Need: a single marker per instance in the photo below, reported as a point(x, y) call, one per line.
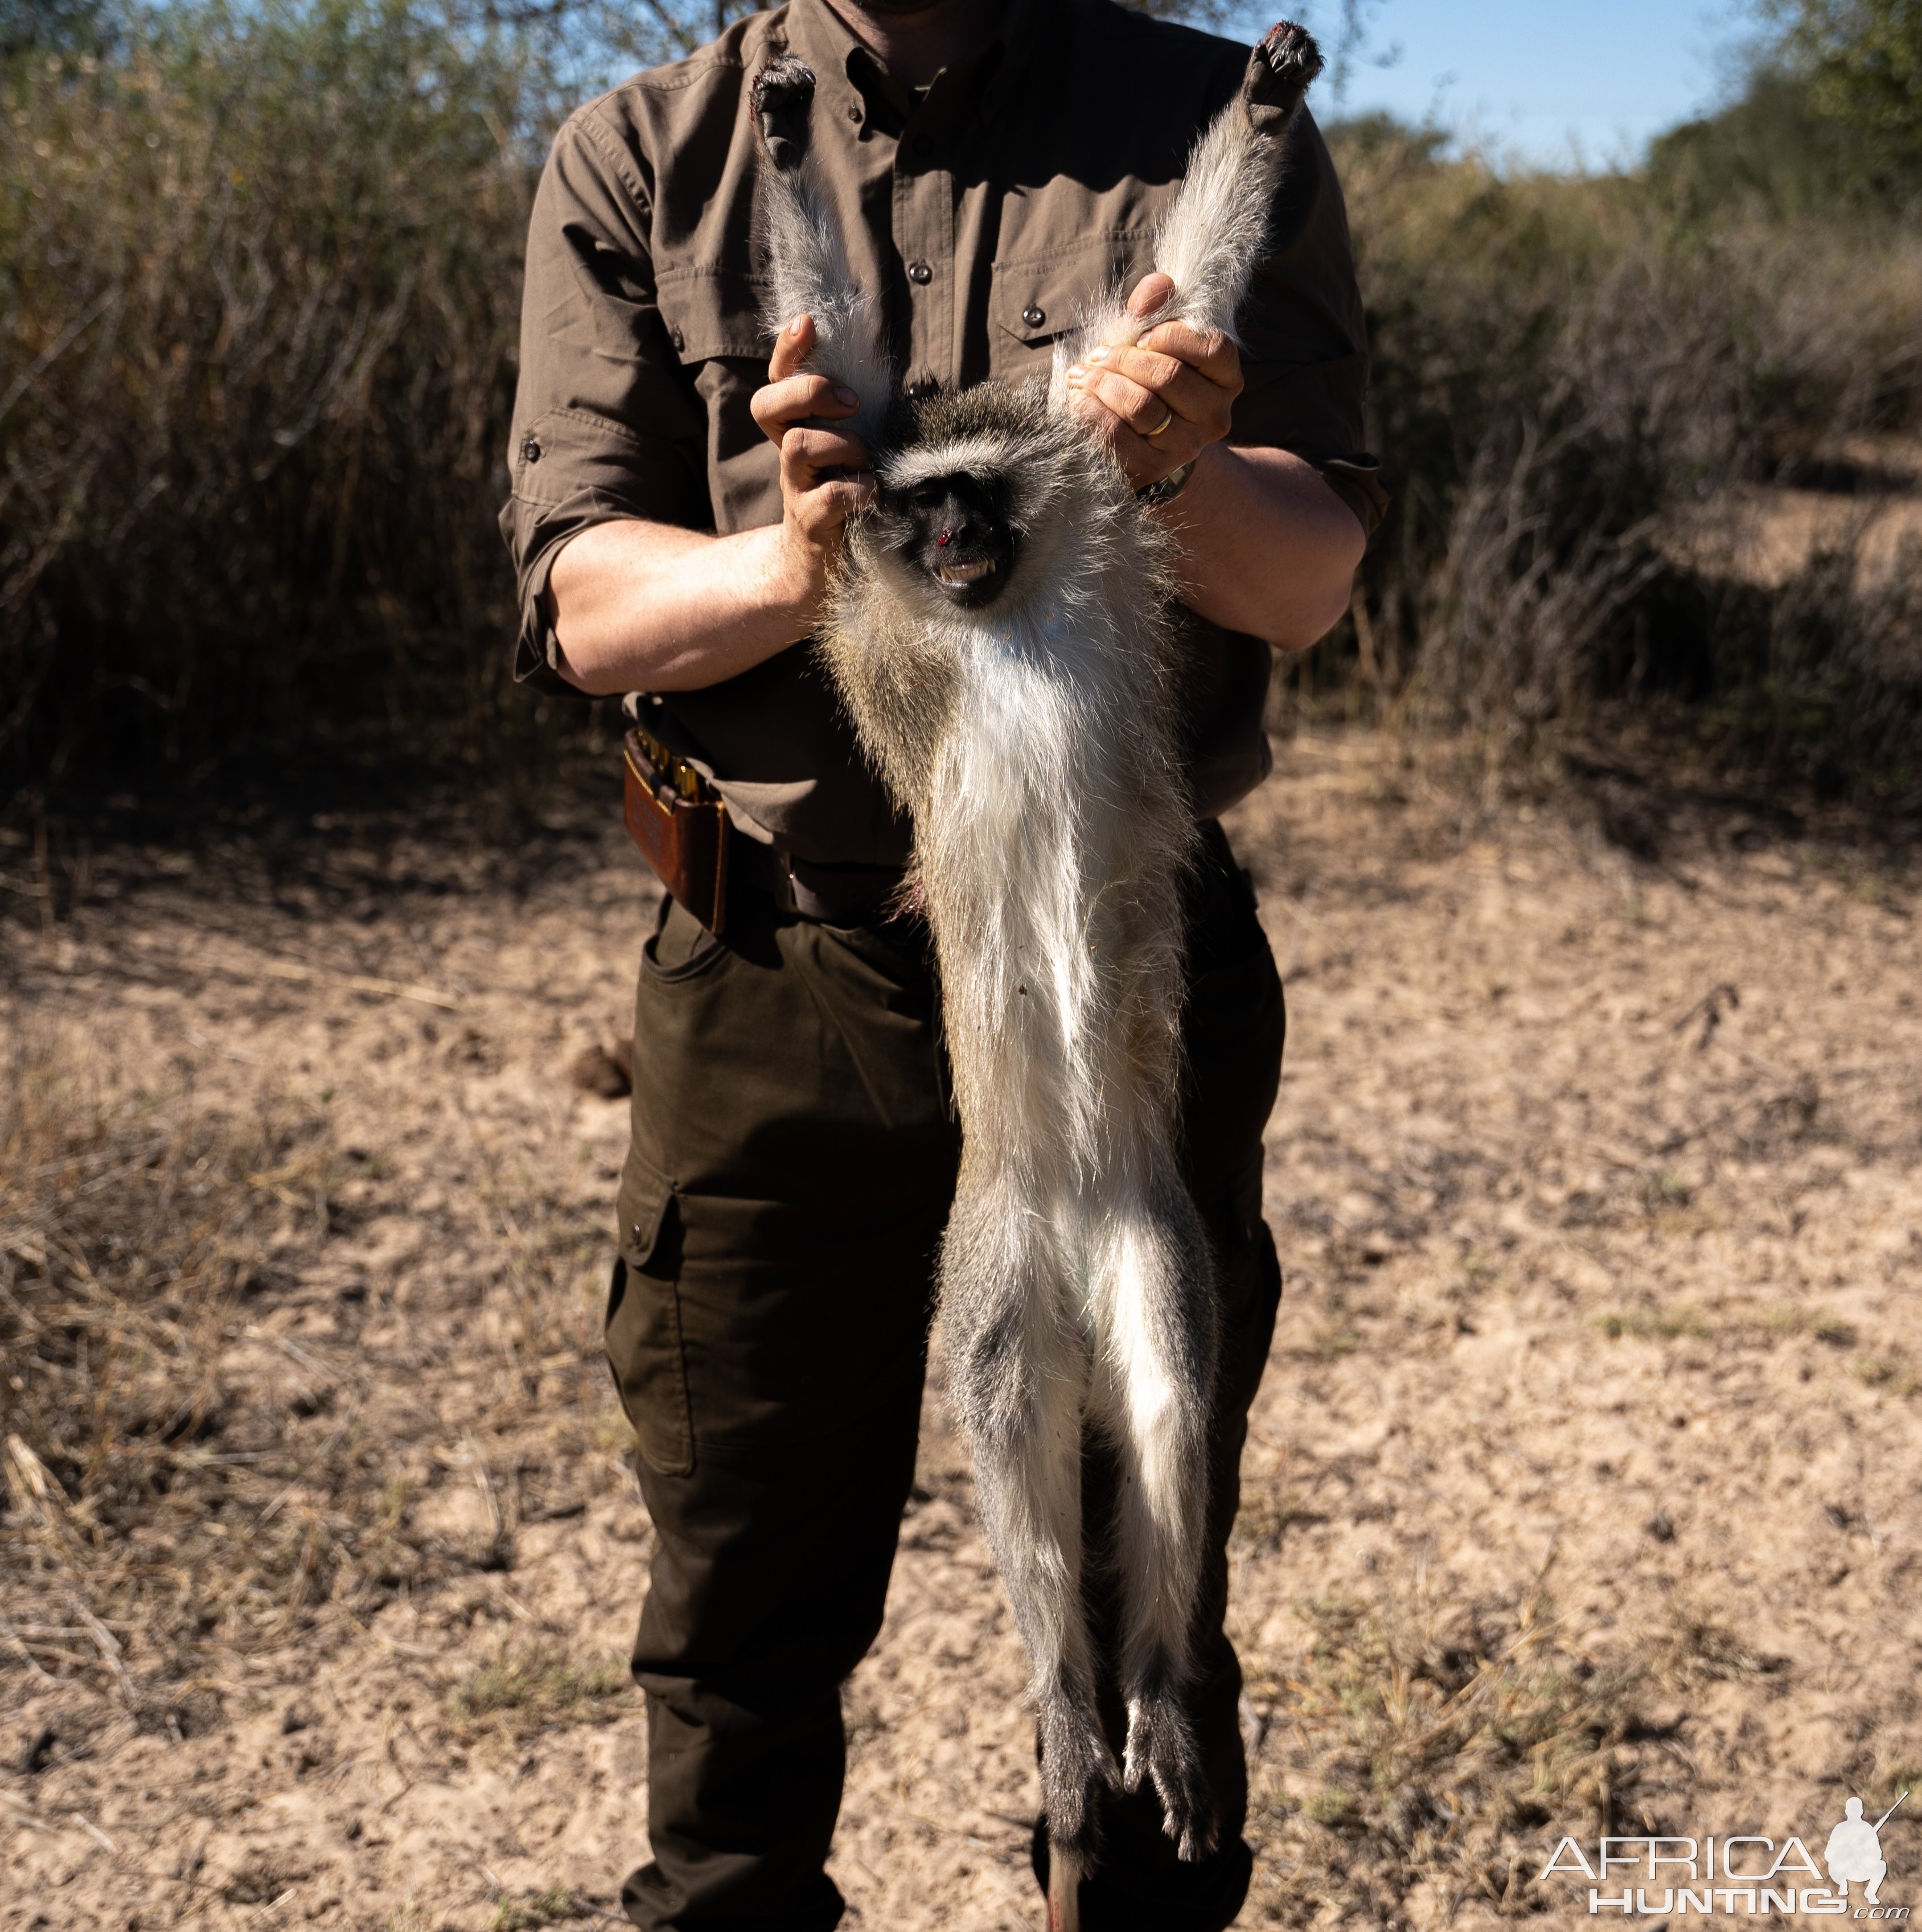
point(791, 1163)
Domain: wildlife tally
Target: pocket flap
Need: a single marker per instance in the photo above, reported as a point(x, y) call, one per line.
point(642, 1203)
point(710, 313)
point(1036, 298)
point(643, 1326)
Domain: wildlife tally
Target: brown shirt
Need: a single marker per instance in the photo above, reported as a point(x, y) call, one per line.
point(986, 211)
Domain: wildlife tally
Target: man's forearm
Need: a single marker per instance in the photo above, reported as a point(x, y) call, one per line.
point(1268, 547)
point(648, 606)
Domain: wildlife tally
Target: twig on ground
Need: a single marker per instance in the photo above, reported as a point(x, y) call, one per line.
point(359, 983)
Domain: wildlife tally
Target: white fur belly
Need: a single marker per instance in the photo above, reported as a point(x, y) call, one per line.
point(1013, 843)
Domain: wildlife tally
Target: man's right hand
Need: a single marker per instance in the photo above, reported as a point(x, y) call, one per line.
point(641, 606)
point(815, 506)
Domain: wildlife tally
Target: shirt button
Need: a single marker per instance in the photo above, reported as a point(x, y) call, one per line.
point(680, 341)
point(1034, 315)
point(854, 110)
point(919, 273)
point(530, 449)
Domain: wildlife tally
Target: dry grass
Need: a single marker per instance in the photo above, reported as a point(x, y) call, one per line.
point(529, 1685)
point(1593, 1178)
point(1424, 1745)
point(185, 1479)
point(1604, 470)
point(552, 1907)
point(145, 1492)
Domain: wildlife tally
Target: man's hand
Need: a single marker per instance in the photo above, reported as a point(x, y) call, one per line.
point(814, 506)
point(641, 606)
point(1266, 546)
point(1177, 382)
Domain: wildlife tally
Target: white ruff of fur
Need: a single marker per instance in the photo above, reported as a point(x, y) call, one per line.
point(1022, 807)
point(801, 240)
point(1050, 824)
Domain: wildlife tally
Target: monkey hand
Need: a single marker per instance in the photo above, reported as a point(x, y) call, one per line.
point(1158, 404)
point(825, 477)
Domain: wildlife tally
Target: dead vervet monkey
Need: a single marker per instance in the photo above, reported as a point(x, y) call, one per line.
point(1002, 628)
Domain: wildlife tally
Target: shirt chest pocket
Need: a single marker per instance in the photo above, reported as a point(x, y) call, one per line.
point(710, 315)
point(1034, 299)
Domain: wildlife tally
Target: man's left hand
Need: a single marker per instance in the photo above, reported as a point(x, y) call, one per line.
point(1177, 382)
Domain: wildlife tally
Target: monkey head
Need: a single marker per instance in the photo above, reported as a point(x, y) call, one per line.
point(963, 477)
point(954, 531)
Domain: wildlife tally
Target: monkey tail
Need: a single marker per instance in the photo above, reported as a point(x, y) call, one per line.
point(801, 243)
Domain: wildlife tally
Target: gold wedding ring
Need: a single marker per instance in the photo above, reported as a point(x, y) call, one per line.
point(1159, 426)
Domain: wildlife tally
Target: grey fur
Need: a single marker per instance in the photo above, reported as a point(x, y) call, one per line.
point(1033, 740)
point(801, 242)
point(1211, 238)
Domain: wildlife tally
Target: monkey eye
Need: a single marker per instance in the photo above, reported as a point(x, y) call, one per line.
point(928, 495)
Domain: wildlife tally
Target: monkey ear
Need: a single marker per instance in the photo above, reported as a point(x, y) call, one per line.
point(783, 97)
point(1280, 71)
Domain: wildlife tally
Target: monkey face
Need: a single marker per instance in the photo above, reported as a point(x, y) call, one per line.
point(955, 529)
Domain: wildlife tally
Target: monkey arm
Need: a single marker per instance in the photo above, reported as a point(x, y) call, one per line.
point(1266, 546)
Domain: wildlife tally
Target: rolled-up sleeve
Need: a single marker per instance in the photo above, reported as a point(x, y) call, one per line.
point(606, 423)
point(1304, 344)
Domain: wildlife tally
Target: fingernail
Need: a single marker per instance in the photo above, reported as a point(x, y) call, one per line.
point(844, 393)
point(1097, 355)
point(1076, 374)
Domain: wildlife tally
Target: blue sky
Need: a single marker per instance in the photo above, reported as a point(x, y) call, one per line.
point(1552, 82)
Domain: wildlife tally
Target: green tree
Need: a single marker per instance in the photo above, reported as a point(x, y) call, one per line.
point(1862, 59)
point(27, 26)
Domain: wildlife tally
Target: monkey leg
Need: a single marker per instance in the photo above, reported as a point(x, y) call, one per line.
point(1153, 1290)
point(1019, 1370)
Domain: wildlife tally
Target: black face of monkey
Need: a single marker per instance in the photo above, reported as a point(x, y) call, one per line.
point(955, 529)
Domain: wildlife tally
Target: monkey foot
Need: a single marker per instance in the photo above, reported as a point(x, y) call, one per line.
point(1279, 73)
point(783, 94)
point(1161, 1750)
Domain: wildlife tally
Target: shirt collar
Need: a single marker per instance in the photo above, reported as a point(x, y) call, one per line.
point(851, 77)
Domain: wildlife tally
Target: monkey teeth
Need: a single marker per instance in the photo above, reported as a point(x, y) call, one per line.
point(964, 573)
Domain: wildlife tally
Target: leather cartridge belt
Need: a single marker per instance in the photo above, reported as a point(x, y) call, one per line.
point(680, 824)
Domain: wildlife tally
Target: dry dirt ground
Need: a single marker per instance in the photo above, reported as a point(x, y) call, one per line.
point(1582, 1494)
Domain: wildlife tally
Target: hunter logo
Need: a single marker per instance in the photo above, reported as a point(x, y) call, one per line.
point(1744, 1874)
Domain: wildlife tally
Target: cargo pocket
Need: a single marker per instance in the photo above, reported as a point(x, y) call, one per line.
point(643, 1329)
point(679, 948)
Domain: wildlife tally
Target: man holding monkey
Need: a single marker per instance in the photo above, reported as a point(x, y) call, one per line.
point(678, 497)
